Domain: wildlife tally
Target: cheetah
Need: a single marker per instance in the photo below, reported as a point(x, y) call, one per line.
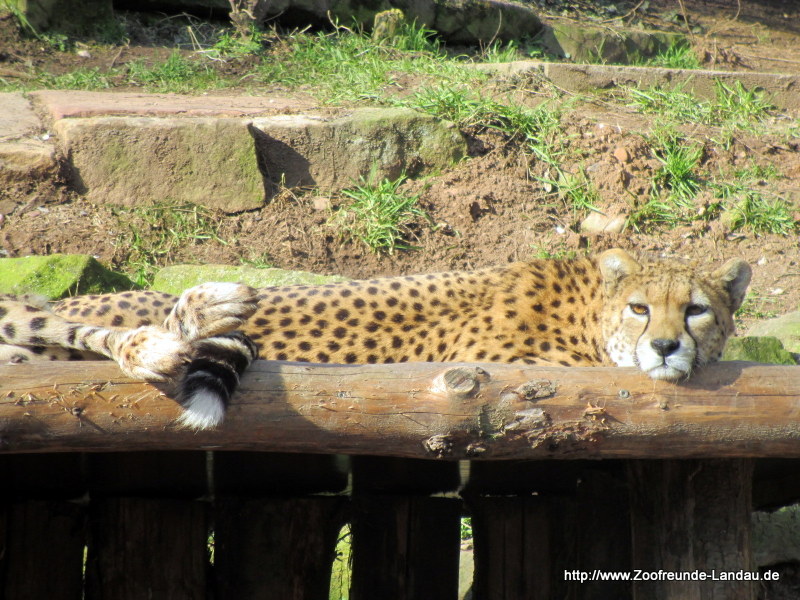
point(665, 317)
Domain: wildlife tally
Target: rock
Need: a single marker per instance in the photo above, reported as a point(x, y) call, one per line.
point(758, 349)
point(332, 153)
point(460, 21)
point(386, 24)
point(598, 222)
point(587, 43)
point(134, 161)
point(175, 279)
point(236, 164)
point(65, 15)
point(621, 154)
point(23, 155)
point(775, 538)
point(27, 160)
point(59, 275)
point(321, 203)
point(474, 21)
point(786, 328)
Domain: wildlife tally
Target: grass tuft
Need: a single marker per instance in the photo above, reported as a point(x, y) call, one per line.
point(378, 215)
point(679, 161)
point(154, 233)
point(679, 55)
point(734, 107)
point(347, 65)
point(176, 74)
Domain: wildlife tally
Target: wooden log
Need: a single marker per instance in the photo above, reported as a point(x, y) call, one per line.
point(423, 410)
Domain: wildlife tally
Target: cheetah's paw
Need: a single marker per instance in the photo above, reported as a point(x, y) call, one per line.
point(211, 309)
point(151, 354)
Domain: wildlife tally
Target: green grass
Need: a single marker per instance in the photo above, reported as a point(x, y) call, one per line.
point(152, 234)
point(341, 571)
point(535, 127)
point(749, 203)
point(754, 307)
point(378, 215)
point(674, 185)
point(679, 160)
point(499, 52)
point(561, 252)
point(176, 74)
point(577, 191)
point(346, 65)
point(231, 45)
point(679, 55)
point(79, 79)
point(737, 103)
point(733, 107)
point(749, 207)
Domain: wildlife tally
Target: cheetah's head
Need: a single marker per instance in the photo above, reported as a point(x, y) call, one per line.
point(667, 318)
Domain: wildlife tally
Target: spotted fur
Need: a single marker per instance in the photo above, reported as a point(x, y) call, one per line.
point(665, 317)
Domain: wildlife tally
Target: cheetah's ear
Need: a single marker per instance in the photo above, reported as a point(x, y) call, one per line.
point(734, 276)
point(615, 265)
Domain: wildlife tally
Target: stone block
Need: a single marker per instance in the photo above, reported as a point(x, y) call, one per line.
point(175, 279)
point(59, 275)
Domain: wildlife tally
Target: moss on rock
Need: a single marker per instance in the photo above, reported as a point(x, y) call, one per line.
point(786, 328)
point(175, 279)
point(59, 275)
point(764, 349)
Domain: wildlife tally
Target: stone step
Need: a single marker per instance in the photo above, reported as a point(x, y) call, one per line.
point(228, 153)
point(781, 89)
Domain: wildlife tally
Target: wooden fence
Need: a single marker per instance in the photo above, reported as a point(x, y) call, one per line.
point(103, 498)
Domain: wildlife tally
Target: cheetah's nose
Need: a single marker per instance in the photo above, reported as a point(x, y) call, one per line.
point(665, 347)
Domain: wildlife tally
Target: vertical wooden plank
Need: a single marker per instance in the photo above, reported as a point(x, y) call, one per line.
point(521, 544)
point(404, 543)
point(42, 550)
point(600, 522)
point(270, 541)
point(148, 534)
point(536, 546)
point(516, 542)
point(42, 539)
point(276, 548)
point(146, 548)
point(691, 516)
point(405, 547)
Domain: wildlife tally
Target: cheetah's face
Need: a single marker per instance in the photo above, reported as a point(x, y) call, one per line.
point(667, 319)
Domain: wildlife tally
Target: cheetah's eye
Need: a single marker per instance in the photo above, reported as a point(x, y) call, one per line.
point(695, 309)
point(639, 309)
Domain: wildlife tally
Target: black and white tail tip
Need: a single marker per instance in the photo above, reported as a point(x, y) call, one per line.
point(211, 378)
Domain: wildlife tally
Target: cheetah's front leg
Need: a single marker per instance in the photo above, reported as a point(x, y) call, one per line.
point(148, 353)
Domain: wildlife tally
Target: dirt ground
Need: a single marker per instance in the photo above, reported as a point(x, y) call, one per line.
point(489, 209)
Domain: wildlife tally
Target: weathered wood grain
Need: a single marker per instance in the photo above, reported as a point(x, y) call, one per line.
point(426, 410)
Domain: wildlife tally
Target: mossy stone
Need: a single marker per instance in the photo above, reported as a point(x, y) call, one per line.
point(175, 279)
point(767, 350)
point(786, 328)
point(59, 275)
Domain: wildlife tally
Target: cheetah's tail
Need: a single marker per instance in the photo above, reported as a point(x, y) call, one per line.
point(211, 378)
